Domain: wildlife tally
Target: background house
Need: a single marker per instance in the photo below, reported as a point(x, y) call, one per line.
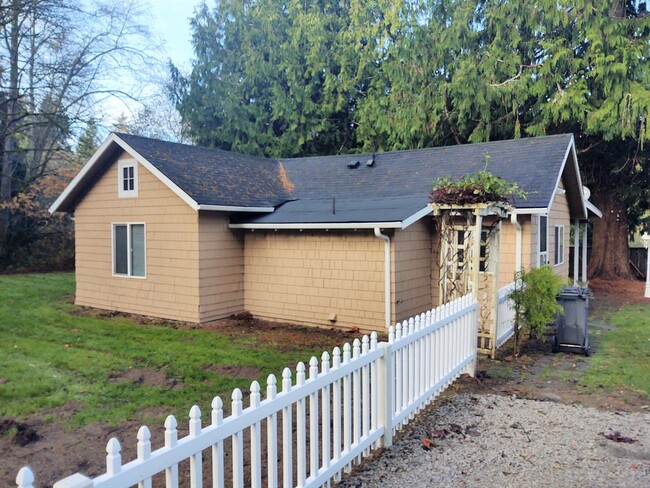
point(196, 234)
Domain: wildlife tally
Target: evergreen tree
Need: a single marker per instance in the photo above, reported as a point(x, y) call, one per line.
point(319, 77)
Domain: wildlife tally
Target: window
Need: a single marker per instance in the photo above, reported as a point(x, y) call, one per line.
point(129, 250)
point(542, 255)
point(559, 245)
point(127, 179)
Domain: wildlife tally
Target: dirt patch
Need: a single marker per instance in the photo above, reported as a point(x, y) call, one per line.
point(145, 377)
point(616, 294)
point(235, 371)
point(540, 375)
point(18, 434)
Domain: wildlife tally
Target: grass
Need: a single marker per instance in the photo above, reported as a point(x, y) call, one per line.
point(52, 358)
point(623, 359)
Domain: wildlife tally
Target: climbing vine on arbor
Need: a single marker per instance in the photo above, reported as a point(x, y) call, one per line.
point(481, 187)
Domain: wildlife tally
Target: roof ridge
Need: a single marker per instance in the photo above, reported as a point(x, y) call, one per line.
point(431, 148)
point(123, 135)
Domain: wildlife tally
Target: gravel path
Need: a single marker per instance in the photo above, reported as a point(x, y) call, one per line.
point(502, 441)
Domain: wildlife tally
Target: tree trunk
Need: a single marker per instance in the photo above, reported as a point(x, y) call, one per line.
point(9, 146)
point(610, 253)
point(617, 9)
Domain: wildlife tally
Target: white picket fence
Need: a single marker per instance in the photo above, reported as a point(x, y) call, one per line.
point(505, 315)
point(314, 430)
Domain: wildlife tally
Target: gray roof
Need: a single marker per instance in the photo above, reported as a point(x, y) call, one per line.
point(338, 210)
point(397, 182)
point(323, 189)
point(212, 176)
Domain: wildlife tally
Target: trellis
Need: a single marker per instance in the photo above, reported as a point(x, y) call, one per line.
point(468, 241)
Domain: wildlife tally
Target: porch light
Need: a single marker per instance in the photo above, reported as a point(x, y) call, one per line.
point(645, 238)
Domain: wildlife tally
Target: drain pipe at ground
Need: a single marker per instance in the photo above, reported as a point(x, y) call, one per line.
point(513, 220)
point(386, 240)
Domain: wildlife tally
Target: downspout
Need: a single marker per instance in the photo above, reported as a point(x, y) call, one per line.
point(387, 299)
point(513, 220)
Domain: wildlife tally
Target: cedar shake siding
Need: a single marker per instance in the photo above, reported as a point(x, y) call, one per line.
point(171, 286)
point(304, 277)
point(559, 215)
point(412, 252)
point(221, 267)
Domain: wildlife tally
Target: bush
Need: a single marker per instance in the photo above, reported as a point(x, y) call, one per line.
point(535, 301)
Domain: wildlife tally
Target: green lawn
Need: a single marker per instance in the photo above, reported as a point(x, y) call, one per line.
point(50, 357)
point(622, 360)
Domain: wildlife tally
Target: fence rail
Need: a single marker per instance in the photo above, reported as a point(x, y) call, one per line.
point(316, 428)
point(505, 315)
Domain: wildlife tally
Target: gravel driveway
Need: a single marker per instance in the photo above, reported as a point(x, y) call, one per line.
point(490, 440)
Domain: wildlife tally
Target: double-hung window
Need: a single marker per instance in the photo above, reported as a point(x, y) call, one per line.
point(129, 250)
point(127, 178)
point(559, 245)
point(543, 241)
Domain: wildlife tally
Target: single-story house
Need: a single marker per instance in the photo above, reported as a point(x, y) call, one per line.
point(197, 234)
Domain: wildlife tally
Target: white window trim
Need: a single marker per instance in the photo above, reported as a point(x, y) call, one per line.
point(127, 163)
point(128, 254)
point(558, 259)
point(539, 233)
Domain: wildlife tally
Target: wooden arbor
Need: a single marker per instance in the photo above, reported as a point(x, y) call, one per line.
point(468, 244)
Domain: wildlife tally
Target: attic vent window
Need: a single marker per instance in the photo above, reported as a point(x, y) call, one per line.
point(354, 165)
point(127, 178)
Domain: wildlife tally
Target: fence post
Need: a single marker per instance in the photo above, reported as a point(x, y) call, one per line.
point(385, 391)
point(474, 319)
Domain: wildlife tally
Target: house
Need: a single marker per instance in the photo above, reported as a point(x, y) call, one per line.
point(197, 234)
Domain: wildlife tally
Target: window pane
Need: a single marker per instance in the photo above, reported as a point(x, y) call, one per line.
point(543, 233)
point(120, 246)
point(137, 250)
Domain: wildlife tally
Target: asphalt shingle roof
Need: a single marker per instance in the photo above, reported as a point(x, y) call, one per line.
point(394, 188)
point(212, 176)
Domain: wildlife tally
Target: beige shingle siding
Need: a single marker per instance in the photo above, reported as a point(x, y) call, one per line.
point(412, 254)
point(559, 215)
point(221, 267)
point(170, 289)
point(303, 277)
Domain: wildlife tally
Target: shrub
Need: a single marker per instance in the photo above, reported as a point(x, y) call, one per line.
point(535, 301)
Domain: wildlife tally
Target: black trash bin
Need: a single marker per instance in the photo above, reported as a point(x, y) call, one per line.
point(571, 333)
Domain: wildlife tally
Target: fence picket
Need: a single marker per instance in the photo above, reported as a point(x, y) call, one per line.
point(196, 461)
point(113, 457)
point(356, 396)
point(171, 439)
point(271, 435)
point(301, 430)
point(326, 412)
point(237, 442)
point(25, 478)
point(217, 449)
point(368, 392)
point(287, 434)
point(144, 451)
point(336, 411)
point(347, 405)
point(256, 440)
point(313, 420)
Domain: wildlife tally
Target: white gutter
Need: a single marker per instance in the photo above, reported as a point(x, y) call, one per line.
point(518, 245)
point(387, 300)
point(324, 225)
point(227, 208)
point(531, 211)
